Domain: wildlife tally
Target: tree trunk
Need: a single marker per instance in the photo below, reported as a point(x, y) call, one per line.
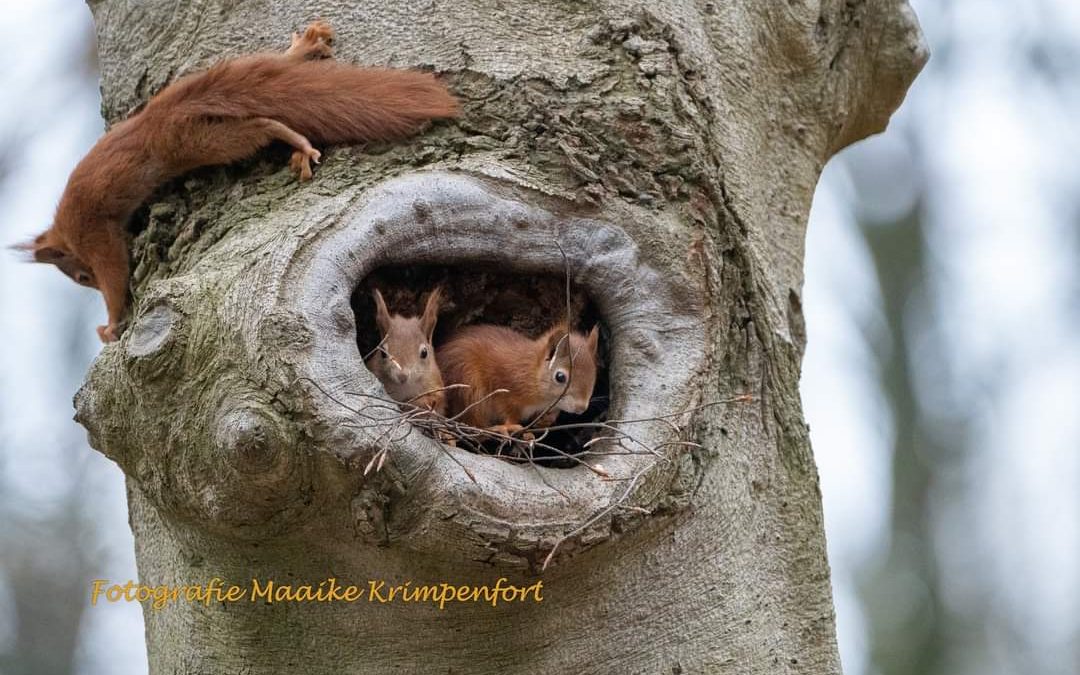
point(671, 151)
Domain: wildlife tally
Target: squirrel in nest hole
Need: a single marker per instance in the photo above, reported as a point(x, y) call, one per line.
point(504, 379)
point(555, 372)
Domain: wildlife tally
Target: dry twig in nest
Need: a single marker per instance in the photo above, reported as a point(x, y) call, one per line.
point(397, 420)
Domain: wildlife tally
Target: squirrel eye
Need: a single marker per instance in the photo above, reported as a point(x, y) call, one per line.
point(560, 376)
point(423, 352)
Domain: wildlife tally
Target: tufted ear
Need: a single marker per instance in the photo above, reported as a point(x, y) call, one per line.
point(49, 254)
point(43, 249)
point(557, 341)
point(593, 340)
point(382, 314)
point(26, 247)
point(431, 312)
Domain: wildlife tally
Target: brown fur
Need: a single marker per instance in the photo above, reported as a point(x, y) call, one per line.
point(217, 117)
point(405, 362)
point(488, 358)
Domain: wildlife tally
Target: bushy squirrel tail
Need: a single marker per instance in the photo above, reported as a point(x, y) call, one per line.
point(328, 101)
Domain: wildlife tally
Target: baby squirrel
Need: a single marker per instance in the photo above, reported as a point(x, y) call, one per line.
point(538, 374)
point(405, 360)
point(223, 115)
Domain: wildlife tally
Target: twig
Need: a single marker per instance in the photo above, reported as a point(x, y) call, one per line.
point(558, 345)
point(589, 523)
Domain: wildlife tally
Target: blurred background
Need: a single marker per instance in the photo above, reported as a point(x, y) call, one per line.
point(941, 381)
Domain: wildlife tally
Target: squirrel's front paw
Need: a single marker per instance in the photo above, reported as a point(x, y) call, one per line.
point(506, 429)
point(316, 42)
point(108, 333)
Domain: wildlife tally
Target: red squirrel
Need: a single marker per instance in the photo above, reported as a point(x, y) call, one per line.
point(219, 116)
point(537, 374)
point(405, 359)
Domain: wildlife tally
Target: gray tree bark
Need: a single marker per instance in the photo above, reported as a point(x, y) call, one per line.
point(671, 149)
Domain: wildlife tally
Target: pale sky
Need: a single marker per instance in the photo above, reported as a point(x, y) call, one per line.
point(1005, 155)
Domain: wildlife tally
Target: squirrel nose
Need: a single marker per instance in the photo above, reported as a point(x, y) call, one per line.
point(400, 376)
point(577, 407)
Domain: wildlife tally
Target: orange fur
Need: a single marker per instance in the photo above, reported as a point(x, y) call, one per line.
point(223, 115)
point(488, 358)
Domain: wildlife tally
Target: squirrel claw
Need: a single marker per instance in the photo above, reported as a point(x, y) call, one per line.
point(107, 333)
point(300, 162)
point(506, 429)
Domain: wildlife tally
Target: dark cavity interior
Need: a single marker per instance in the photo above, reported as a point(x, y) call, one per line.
point(480, 294)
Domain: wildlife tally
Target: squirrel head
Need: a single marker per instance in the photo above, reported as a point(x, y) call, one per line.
point(404, 361)
point(47, 247)
point(567, 372)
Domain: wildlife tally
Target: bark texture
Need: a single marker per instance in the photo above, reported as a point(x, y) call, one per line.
point(671, 149)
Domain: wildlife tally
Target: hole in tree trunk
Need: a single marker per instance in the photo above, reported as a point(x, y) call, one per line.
point(529, 304)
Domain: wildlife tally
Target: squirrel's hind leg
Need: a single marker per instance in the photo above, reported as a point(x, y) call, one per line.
point(303, 155)
point(211, 142)
point(315, 43)
point(300, 163)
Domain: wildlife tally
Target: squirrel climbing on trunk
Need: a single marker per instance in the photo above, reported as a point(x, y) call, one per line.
point(300, 97)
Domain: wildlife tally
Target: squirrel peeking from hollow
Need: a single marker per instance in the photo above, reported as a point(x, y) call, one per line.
point(509, 379)
point(404, 361)
point(225, 114)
